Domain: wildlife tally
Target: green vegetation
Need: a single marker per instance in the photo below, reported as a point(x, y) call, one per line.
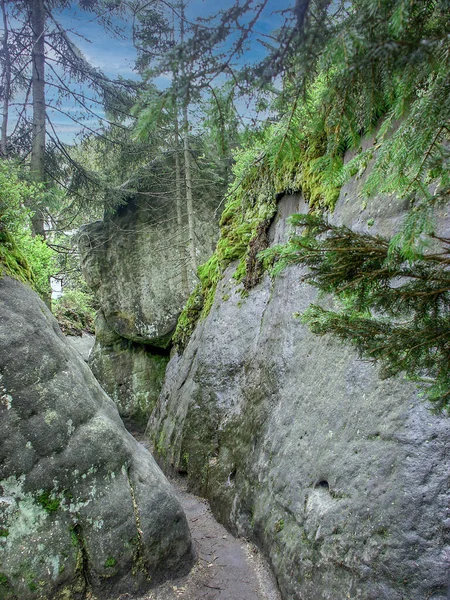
point(22, 256)
point(240, 226)
point(4, 532)
point(279, 526)
point(48, 502)
point(394, 311)
point(110, 562)
point(73, 537)
point(189, 317)
point(75, 312)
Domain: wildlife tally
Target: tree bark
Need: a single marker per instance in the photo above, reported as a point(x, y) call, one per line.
point(179, 202)
point(6, 82)
point(37, 164)
point(187, 156)
point(189, 195)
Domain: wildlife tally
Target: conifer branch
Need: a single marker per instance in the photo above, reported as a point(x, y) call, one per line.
point(395, 312)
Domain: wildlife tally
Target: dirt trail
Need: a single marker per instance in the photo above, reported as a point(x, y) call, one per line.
point(227, 568)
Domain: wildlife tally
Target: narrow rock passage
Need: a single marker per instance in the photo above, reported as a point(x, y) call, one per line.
point(227, 568)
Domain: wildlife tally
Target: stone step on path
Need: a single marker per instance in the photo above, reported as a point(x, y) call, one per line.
point(227, 568)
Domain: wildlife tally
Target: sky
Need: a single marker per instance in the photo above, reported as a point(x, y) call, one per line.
point(115, 57)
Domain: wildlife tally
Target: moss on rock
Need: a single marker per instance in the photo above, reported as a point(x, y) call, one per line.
point(12, 260)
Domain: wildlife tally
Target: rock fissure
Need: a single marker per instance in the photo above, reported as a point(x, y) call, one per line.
point(82, 563)
point(139, 556)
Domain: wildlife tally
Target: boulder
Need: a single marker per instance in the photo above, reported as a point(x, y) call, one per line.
point(132, 261)
point(130, 373)
point(83, 344)
point(84, 510)
point(339, 476)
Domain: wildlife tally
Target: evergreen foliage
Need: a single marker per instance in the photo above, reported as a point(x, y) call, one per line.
point(394, 311)
point(364, 67)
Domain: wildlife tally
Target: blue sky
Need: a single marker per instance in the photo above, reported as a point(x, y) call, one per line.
point(115, 57)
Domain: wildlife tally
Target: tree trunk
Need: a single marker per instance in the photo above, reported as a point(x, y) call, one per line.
point(179, 201)
point(189, 195)
point(187, 155)
point(37, 165)
point(6, 83)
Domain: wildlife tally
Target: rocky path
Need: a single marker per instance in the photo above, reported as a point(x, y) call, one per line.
point(227, 568)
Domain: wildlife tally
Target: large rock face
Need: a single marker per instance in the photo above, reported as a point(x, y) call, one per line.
point(83, 507)
point(132, 261)
point(129, 373)
point(341, 478)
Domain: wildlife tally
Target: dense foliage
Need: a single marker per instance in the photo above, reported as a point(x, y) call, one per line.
point(75, 312)
point(394, 311)
point(22, 255)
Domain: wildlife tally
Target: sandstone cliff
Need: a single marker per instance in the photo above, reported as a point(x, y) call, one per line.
point(340, 477)
point(133, 261)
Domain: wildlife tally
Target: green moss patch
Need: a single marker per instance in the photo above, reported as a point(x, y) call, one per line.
point(244, 215)
point(12, 261)
point(110, 562)
point(6, 592)
point(48, 502)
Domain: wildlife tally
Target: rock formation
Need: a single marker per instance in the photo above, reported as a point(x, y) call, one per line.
point(130, 373)
point(131, 260)
point(340, 477)
point(83, 507)
point(83, 344)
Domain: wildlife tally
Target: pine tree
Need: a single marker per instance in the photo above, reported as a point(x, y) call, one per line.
point(394, 311)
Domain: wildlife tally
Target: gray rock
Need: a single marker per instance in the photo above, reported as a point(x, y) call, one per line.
point(83, 344)
point(132, 262)
point(131, 374)
point(83, 507)
point(340, 477)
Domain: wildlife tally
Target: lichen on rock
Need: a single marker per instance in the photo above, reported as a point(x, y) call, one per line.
point(76, 490)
